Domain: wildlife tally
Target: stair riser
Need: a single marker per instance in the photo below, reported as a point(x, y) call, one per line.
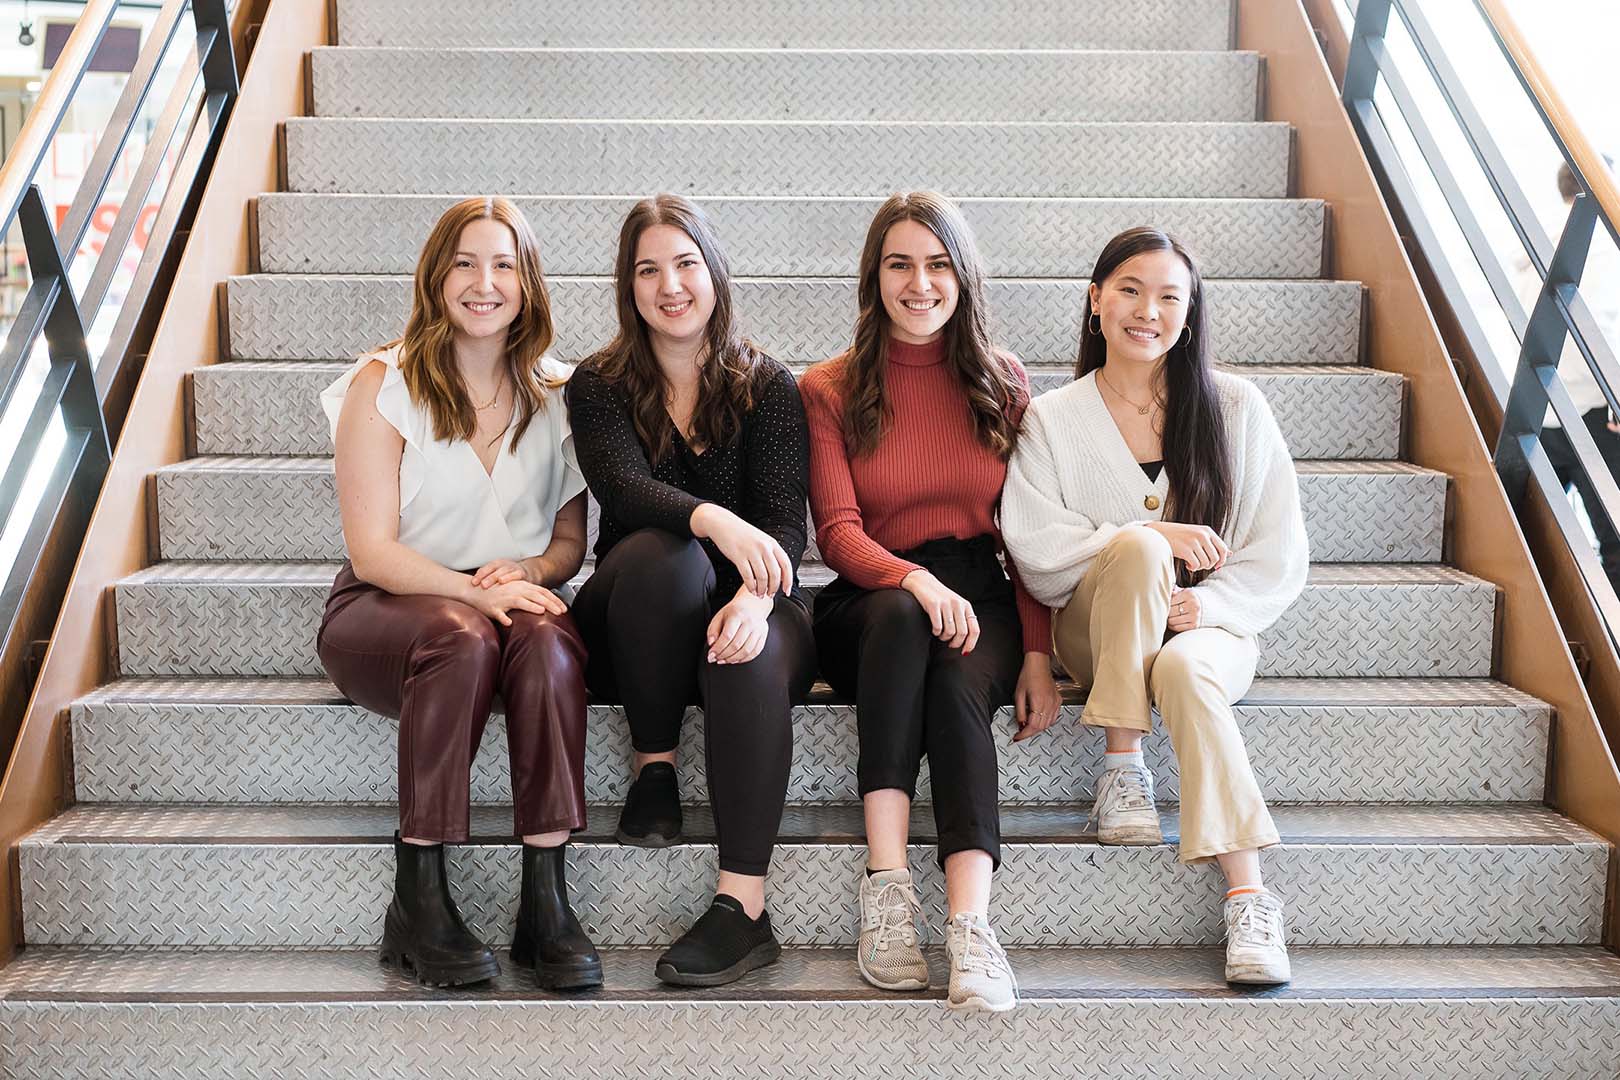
point(771, 24)
point(273, 409)
point(327, 895)
point(797, 321)
point(612, 157)
point(243, 753)
point(714, 84)
point(293, 516)
point(1352, 631)
point(357, 234)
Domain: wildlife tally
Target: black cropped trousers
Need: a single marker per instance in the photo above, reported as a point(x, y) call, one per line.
point(915, 695)
point(645, 614)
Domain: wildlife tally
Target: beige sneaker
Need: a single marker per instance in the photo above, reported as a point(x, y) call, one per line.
point(1124, 809)
point(981, 978)
point(888, 955)
point(1256, 946)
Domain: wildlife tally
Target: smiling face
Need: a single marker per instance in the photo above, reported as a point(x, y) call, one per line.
point(673, 287)
point(1143, 306)
point(482, 292)
point(917, 282)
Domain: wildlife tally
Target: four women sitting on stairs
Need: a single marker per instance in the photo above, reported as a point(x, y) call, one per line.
point(1152, 502)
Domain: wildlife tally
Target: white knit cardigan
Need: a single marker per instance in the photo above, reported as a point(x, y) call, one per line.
point(1073, 483)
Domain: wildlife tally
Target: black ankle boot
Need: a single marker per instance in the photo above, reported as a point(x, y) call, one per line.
point(424, 933)
point(549, 938)
point(652, 808)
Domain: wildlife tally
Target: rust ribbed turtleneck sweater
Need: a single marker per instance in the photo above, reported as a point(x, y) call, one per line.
point(928, 478)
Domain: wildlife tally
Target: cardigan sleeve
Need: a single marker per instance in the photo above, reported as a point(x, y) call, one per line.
point(840, 533)
point(776, 463)
point(1034, 617)
point(1269, 556)
point(615, 463)
point(1051, 545)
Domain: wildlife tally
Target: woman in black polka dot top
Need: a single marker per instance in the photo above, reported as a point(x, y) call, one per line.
point(695, 446)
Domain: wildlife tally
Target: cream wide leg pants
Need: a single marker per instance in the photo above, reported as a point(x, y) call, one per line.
point(1111, 635)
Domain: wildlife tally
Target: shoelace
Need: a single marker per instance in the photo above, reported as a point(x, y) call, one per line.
point(1131, 787)
point(896, 918)
point(1258, 920)
point(979, 950)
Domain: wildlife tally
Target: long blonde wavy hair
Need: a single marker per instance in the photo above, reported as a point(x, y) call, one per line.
point(427, 357)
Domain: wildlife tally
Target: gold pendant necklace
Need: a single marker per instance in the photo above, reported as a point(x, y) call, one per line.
point(1142, 409)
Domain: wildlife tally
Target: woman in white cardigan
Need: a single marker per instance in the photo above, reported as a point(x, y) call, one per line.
point(1153, 503)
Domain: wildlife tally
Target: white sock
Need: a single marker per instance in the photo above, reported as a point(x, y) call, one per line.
point(1112, 760)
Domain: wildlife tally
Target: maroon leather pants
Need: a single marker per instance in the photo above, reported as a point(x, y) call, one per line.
point(435, 664)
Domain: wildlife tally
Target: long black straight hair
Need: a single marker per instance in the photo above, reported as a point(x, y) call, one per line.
point(1197, 460)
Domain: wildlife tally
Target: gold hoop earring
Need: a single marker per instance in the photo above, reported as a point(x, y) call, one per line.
point(1094, 325)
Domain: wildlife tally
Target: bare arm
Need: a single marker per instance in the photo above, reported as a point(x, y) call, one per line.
point(369, 451)
point(566, 553)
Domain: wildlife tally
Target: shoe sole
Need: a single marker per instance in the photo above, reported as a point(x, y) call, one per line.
point(440, 975)
point(651, 840)
point(568, 976)
point(1257, 976)
point(903, 984)
point(1140, 836)
point(757, 957)
point(979, 1004)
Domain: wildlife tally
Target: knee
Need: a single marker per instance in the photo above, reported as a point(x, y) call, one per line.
point(893, 617)
point(1178, 673)
point(952, 682)
point(1140, 550)
point(550, 640)
point(456, 633)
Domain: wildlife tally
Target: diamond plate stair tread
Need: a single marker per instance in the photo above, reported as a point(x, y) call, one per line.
point(785, 84)
point(798, 320)
point(1072, 24)
point(110, 975)
point(785, 237)
point(319, 877)
point(286, 509)
point(1325, 412)
point(276, 741)
point(613, 157)
point(1353, 620)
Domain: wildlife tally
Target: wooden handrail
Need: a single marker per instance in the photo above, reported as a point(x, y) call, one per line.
point(46, 115)
point(1599, 178)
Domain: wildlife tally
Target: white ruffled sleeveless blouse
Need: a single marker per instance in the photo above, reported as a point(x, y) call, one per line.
point(450, 509)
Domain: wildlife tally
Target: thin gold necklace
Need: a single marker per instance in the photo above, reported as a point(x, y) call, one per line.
point(1142, 409)
point(492, 402)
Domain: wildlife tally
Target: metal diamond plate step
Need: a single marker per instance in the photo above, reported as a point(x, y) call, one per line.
point(615, 157)
point(825, 24)
point(285, 509)
point(1353, 620)
point(320, 877)
point(271, 407)
point(1397, 1013)
point(798, 320)
point(145, 740)
point(785, 84)
point(766, 237)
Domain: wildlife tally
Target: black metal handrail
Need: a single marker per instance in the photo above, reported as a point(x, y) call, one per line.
point(1560, 312)
point(75, 385)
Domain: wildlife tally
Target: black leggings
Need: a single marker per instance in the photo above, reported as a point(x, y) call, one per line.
point(915, 695)
point(644, 615)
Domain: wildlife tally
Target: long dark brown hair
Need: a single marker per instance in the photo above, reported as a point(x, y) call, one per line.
point(1197, 460)
point(427, 357)
point(995, 394)
point(731, 368)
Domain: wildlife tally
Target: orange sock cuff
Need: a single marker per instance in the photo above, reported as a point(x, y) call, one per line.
point(1244, 890)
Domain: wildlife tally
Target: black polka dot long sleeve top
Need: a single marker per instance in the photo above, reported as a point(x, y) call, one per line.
point(762, 476)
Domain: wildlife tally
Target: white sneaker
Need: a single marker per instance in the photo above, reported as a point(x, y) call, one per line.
point(1124, 810)
point(1256, 949)
point(981, 978)
point(888, 955)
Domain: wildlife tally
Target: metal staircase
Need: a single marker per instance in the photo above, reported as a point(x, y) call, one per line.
point(212, 903)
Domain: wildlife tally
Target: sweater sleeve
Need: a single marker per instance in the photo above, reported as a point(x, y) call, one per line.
point(1269, 555)
point(615, 463)
point(1034, 617)
point(777, 462)
point(840, 533)
point(1051, 545)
